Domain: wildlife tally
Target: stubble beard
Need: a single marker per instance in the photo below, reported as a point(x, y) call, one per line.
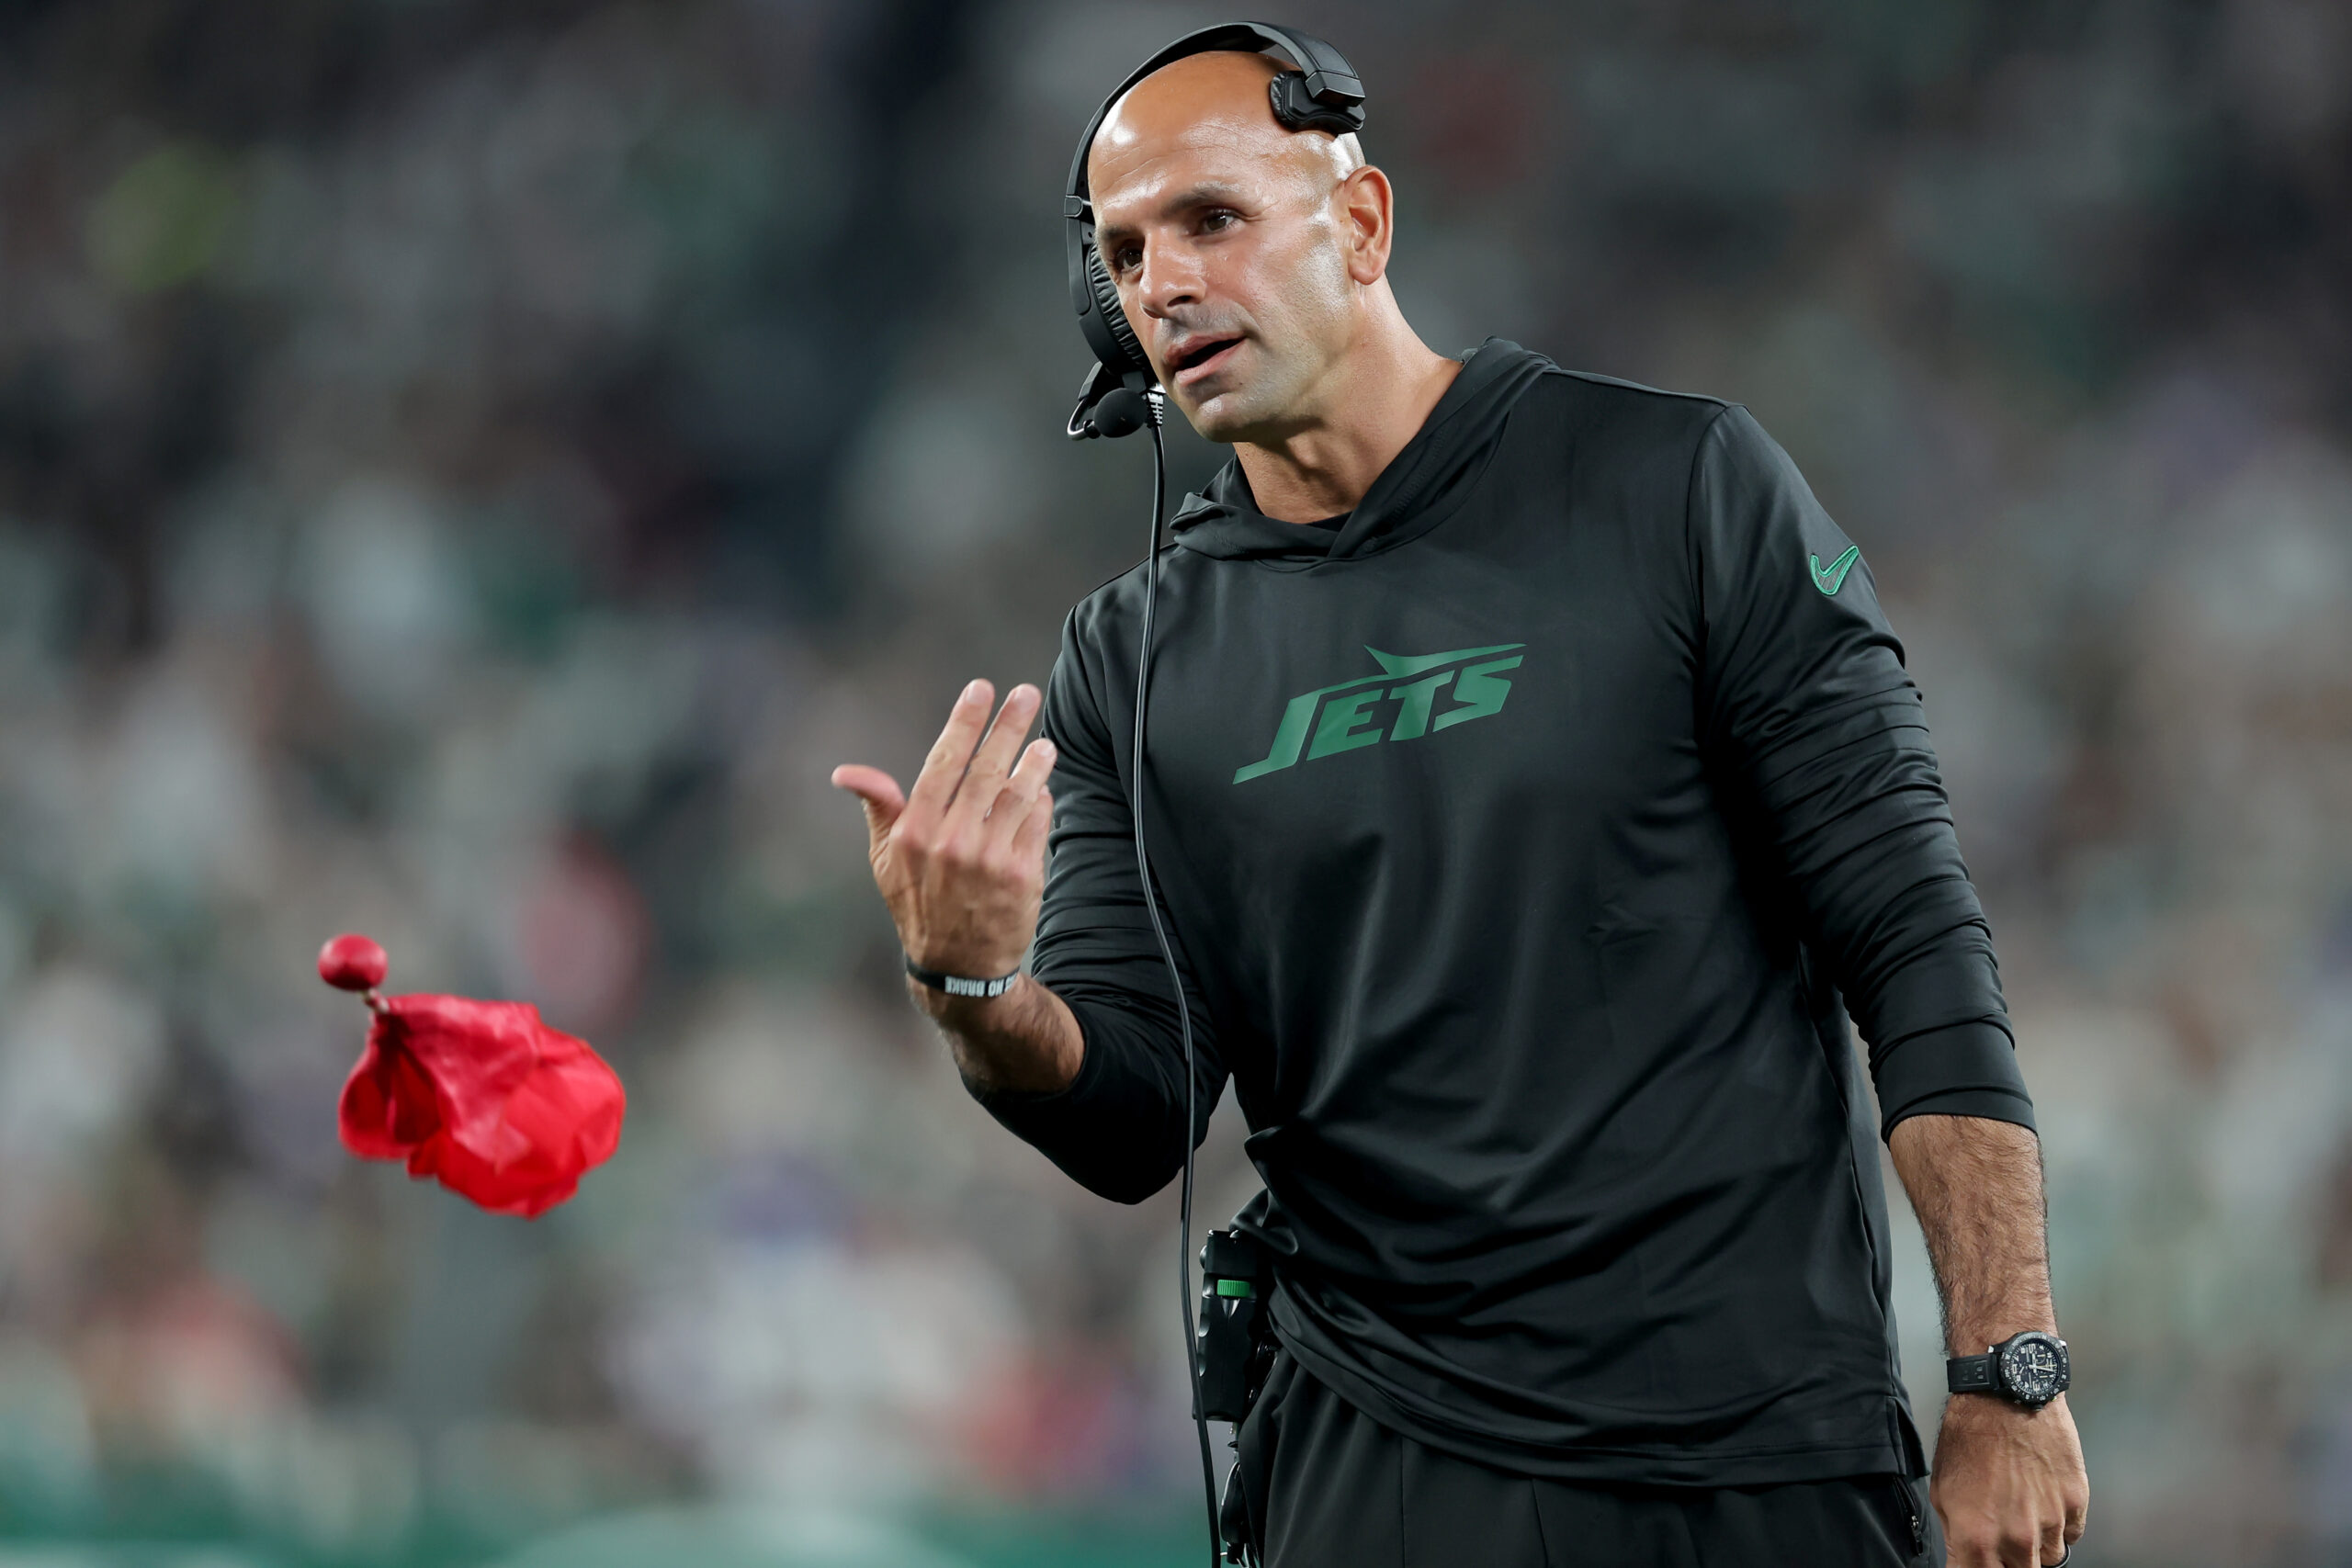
point(1264, 407)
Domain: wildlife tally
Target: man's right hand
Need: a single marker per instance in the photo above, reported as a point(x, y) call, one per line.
point(961, 862)
point(961, 858)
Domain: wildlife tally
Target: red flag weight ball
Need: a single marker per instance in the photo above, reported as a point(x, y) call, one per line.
point(482, 1096)
point(352, 963)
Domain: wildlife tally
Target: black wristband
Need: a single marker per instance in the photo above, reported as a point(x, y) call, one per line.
point(962, 985)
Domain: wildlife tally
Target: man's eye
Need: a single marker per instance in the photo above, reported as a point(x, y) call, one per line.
point(1214, 222)
point(1125, 259)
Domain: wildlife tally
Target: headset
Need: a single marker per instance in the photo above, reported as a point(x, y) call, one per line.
point(1118, 397)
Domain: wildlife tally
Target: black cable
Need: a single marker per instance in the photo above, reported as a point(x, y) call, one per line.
point(1175, 976)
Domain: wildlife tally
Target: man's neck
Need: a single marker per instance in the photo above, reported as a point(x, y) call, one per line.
point(1385, 390)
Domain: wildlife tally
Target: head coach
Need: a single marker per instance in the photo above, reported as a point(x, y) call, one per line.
point(1534, 789)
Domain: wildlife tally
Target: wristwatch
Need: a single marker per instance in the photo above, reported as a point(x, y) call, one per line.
point(2029, 1369)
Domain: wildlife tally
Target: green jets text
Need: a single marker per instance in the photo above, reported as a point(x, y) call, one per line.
point(1344, 717)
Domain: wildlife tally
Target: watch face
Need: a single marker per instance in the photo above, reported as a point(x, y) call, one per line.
point(2033, 1368)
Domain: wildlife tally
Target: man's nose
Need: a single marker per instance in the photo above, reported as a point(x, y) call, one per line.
point(1165, 280)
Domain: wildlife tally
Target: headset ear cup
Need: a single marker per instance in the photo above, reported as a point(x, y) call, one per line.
point(1115, 315)
point(1298, 111)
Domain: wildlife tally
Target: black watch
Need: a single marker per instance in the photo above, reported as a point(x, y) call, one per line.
point(2029, 1369)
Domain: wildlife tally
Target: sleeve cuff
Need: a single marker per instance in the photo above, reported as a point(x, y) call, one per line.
point(1964, 1069)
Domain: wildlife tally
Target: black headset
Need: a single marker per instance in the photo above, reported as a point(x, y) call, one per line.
point(1120, 397)
point(1322, 94)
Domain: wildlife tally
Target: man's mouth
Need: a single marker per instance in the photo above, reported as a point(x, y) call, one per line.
point(1200, 358)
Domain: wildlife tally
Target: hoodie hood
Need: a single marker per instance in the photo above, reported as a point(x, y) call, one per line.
point(1416, 491)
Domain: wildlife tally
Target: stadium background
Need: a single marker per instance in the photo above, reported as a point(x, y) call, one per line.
point(467, 470)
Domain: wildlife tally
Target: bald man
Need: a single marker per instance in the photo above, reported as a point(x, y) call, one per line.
point(1535, 788)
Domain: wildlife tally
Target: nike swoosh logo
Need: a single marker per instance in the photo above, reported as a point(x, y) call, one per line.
point(1833, 577)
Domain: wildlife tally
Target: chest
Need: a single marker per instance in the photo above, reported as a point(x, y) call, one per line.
point(1530, 667)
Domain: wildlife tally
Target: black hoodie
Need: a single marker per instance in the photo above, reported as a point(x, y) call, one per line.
point(1526, 841)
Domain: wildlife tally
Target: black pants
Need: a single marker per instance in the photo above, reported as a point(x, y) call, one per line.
point(1325, 1486)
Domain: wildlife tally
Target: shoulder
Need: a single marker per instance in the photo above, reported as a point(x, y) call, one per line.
point(1621, 422)
point(1111, 612)
point(1586, 396)
point(1624, 448)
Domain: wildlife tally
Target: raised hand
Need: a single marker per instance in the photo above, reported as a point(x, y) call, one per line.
point(961, 859)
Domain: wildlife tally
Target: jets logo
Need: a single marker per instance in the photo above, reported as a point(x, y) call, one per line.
point(1401, 703)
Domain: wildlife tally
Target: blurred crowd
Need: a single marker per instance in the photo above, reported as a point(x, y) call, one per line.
point(468, 470)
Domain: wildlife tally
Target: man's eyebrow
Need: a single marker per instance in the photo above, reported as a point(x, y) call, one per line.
point(1208, 192)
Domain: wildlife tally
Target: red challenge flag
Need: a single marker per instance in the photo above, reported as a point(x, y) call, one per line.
point(482, 1096)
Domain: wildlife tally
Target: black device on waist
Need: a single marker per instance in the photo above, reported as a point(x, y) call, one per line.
point(1118, 397)
point(1233, 1343)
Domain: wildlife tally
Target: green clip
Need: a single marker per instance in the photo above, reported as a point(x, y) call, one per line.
point(1235, 1288)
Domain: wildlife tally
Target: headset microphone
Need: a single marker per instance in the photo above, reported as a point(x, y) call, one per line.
point(1120, 396)
point(1122, 410)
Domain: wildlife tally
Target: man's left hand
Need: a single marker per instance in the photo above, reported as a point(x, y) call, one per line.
point(2010, 1484)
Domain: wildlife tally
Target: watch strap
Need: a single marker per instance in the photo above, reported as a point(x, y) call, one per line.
point(962, 985)
point(1972, 1374)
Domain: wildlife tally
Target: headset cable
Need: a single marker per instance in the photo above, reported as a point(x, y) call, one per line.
point(1158, 401)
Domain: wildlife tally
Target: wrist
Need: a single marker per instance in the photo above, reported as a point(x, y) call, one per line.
point(1987, 1408)
point(1979, 1343)
point(962, 983)
point(2029, 1368)
point(948, 1008)
point(1980, 1325)
point(1027, 1040)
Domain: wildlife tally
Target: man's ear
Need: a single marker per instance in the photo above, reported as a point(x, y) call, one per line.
point(1367, 207)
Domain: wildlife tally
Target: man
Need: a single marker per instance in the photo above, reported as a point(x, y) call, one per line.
point(1531, 769)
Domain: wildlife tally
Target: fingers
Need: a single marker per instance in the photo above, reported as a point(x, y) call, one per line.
point(992, 763)
point(935, 785)
point(958, 857)
point(1015, 803)
point(2078, 1504)
point(2058, 1540)
point(1029, 839)
point(2031, 1542)
point(878, 792)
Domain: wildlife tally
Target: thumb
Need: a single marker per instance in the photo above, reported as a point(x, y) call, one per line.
point(878, 792)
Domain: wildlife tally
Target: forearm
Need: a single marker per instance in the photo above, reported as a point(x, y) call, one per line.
point(1975, 1185)
point(1025, 1041)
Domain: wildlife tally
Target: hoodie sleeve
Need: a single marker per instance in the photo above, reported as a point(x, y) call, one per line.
point(1118, 1128)
point(1804, 697)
